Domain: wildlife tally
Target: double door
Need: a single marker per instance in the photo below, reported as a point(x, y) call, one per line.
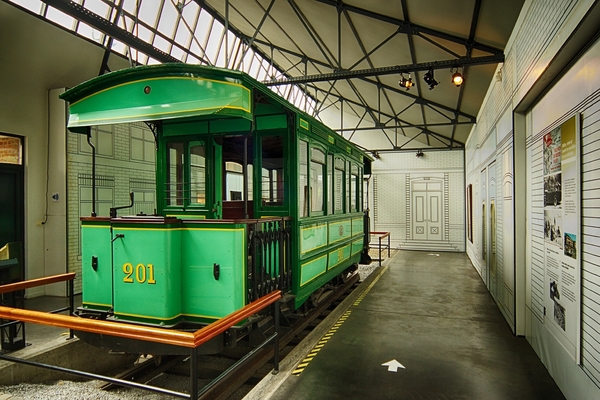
point(427, 209)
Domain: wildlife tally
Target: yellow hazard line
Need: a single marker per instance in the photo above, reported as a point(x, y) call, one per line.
point(364, 292)
point(313, 353)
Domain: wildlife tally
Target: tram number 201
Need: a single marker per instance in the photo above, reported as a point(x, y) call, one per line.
point(140, 274)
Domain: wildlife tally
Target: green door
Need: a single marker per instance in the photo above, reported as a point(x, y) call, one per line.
point(216, 180)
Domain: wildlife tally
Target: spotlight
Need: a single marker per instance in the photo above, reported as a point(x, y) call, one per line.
point(457, 78)
point(420, 154)
point(405, 83)
point(428, 78)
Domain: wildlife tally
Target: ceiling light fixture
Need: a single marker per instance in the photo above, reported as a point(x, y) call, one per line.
point(457, 78)
point(429, 79)
point(405, 83)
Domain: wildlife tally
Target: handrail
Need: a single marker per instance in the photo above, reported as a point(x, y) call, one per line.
point(207, 333)
point(382, 235)
point(13, 287)
point(151, 334)
point(385, 234)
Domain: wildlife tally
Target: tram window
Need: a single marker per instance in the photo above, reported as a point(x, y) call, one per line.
point(303, 194)
point(174, 184)
point(330, 184)
point(272, 184)
point(197, 174)
point(353, 188)
point(234, 181)
point(338, 192)
point(317, 184)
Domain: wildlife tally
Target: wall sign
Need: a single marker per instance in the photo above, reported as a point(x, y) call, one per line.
point(562, 256)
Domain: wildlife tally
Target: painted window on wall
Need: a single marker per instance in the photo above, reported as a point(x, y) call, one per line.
point(143, 147)
point(102, 139)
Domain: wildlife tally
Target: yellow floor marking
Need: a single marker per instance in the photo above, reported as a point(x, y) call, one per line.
point(364, 293)
point(313, 353)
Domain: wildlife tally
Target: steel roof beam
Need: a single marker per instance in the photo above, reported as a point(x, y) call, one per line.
point(400, 126)
point(410, 28)
point(79, 12)
point(397, 69)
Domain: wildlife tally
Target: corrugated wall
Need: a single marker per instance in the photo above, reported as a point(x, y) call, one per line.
point(540, 34)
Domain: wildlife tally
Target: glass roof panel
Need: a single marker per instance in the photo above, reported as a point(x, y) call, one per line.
point(119, 47)
point(178, 53)
point(89, 32)
point(149, 12)
point(162, 44)
point(143, 33)
point(169, 22)
point(190, 12)
point(98, 7)
point(214, 40)
point(32, 5)
point(130, 5)
point(182, 36)
point(168, 18)
point(60, 18)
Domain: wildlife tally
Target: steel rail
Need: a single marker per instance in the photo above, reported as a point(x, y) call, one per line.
point(244, 371)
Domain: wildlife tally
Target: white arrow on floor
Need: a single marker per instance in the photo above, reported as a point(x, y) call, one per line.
point(393, 365)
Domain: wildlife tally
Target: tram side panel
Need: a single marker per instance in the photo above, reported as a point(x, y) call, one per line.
point(96, 261)
point(214, 273)
point(147, 273)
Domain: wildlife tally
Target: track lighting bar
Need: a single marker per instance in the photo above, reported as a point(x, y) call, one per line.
point(397, 69)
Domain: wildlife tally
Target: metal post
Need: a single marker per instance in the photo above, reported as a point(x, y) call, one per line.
point(71, 304)
point(89, 140)
point(276, 310)
point(194, 373)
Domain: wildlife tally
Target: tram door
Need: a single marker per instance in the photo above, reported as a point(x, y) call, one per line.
point(427, 202)
point(216, 179)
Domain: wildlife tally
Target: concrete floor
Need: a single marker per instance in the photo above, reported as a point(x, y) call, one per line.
point(433, 315)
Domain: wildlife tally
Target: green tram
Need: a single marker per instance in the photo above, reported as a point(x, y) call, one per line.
point(253, 195)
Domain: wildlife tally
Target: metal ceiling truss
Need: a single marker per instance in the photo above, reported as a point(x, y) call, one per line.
point(332, 62)
point(413, 29)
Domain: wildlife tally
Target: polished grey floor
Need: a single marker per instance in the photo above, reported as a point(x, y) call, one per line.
point(433, 315)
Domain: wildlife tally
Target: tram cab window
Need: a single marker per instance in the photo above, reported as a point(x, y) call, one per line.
point(197, 174)
point(186, 174)
point(234, 181)
point(272, 183)
point(174, 183)
point(330, 184)
point(303, 191)
point(338, 185)
point(354, 188)
point(317, 180)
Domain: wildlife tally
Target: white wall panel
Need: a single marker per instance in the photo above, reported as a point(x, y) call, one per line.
point(393, 178)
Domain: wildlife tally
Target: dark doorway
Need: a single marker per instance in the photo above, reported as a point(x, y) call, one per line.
point(12, 209)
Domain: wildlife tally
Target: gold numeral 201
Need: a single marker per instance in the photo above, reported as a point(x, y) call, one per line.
point(142, 273)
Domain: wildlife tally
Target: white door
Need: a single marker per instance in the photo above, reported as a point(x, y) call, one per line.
point(426, 209)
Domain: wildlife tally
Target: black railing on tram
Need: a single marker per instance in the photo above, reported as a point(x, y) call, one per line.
point(269, 256)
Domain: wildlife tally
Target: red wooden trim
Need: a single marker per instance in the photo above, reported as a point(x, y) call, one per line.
point(138, 332)
point(12, 287)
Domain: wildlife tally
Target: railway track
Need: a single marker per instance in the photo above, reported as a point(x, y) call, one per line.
point(252, 369)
